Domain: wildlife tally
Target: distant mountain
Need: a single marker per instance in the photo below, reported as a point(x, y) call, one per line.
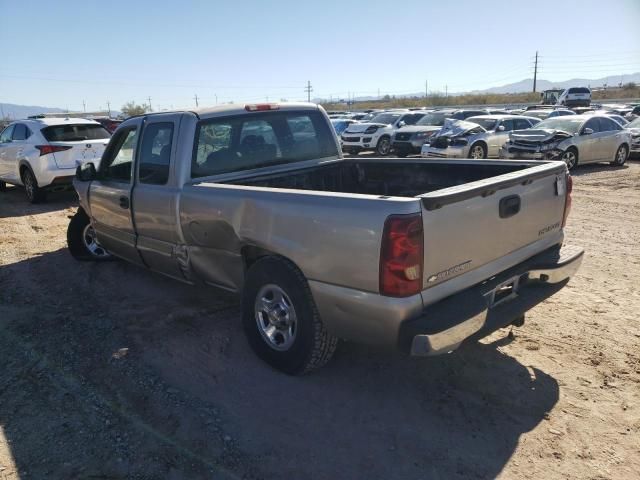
point(12, 111)
point(526, 85)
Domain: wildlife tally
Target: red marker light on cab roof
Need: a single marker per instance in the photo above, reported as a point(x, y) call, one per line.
point(261, 107)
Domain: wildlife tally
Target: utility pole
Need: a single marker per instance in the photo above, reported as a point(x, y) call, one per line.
point(308, 89)
point(216, 95)
point(378, 94)
point(84, 106)
point(426, 88)
point(109, 108)
point(446, 91)
point(149, 99)
point(535, 73)
point(195, 97)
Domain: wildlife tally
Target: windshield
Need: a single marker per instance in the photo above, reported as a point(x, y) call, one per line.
point(242, 142)
point(434, 119)
point(386, 118)
point(567, 124)
point(486, 123)
point(75, 133)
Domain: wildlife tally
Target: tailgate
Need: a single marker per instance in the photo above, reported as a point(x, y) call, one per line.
point(79, 152)
point(475, 224)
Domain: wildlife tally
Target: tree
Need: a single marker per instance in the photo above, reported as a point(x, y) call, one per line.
point(629, 86)
point(130, 109)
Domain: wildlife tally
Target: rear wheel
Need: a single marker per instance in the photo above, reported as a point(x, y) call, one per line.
point(81, 239)
point(621, 156)
point(281, 320)
point(570, 157)
point(478, 151)
point(384, 146)
point(35, 194)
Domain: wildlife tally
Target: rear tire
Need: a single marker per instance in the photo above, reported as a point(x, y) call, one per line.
point(383, 146)
point(281, 320)
point(35, 194)
point(621, 156)
point(82, 242)
point(570, 157)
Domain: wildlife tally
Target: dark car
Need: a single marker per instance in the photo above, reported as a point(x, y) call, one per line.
point(109, 123)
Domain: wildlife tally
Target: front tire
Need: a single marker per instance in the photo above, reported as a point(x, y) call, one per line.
point(478, 151)
point(621, 156)
point(384, 146)
point(81, 240)
point(35, 194)
point(281, 320)
point(570, 157)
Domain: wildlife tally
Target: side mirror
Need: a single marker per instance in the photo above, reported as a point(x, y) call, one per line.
point(402, 124)
point(86, 172)
point(587, 131)
point(501, 128)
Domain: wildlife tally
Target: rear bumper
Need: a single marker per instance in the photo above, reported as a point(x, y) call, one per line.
point(484, 308)
point(440, 327)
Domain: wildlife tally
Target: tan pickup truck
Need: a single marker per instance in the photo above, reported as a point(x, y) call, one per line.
point(420, 254)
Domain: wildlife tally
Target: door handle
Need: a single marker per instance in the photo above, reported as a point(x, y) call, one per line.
point(124, 203)
point(509, 206)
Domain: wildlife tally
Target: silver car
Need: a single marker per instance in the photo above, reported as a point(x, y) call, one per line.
point(463, 139)
point(574, 139)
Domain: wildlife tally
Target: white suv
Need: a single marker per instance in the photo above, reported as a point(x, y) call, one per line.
point(376, 134)
point(575, 97)
point(42, 153)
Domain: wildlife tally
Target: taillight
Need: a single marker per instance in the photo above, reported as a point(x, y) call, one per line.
point(567, 202)
point(401, 256)
point(46, 149)
point(260, 107)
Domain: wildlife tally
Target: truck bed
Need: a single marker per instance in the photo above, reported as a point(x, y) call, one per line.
point(387, 177)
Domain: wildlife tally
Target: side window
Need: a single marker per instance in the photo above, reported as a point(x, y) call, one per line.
point(521, 124)
point(593, 124)
point(118, 159)
point(412, 119)
point(155, 153)
point(6, 134)
point(508, 125)
point(20, 132)
point(608, 125)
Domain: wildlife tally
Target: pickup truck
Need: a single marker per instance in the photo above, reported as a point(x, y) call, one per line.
point(419, 254)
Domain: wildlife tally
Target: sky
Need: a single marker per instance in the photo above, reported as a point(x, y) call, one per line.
point(64, 53)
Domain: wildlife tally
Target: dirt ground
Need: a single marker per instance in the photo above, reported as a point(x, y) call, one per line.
point(112, 372)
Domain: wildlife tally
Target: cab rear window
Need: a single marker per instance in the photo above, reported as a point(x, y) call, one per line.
point(229, 144)
point(75, 133)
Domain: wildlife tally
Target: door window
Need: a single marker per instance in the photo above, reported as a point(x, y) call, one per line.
point(118, 158)
point(593, 124)
point(508, 125)
point(6, 134)
point(521, 124)
point(608, 125)
point(155, 153)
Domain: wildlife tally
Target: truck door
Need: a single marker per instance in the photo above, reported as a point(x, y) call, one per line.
point(110, 194)
point(155, 195)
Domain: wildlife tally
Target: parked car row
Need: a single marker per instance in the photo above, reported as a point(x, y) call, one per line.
point(595, 134)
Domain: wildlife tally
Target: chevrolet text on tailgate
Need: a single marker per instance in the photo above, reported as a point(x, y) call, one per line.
point(421, 254)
